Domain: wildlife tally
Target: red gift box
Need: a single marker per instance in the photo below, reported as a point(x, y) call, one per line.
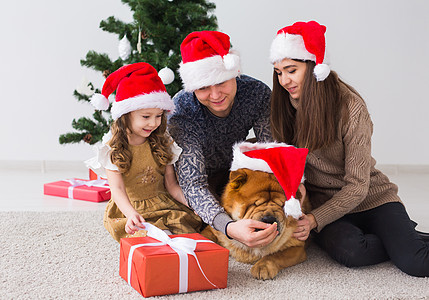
point(89, 190)
point(94, 176)
point(155, 269)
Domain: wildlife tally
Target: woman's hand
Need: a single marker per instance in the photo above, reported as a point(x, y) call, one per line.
point(134, 223)
point(304, 225)
point(252, 233)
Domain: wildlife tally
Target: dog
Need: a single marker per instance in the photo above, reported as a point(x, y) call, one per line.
point(257, 195)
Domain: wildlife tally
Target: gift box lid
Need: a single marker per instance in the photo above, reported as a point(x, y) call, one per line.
point(64, 188)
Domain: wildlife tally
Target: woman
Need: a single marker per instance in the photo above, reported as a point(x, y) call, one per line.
point(357, 215)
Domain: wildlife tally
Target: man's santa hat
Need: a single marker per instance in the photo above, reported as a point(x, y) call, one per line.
point(303, 41)
point(137, 86)
point(286, 162)
point(207, 60)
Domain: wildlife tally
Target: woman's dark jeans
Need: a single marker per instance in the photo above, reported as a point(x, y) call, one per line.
point(374, 236)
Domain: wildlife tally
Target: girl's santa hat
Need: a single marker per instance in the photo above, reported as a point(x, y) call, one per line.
point(137, 86)
point(286, 162)
point(207, 60)
point(303, 41)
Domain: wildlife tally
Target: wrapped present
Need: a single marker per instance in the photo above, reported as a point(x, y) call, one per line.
point(89, 190)
point(160, 264)
point(94, 176)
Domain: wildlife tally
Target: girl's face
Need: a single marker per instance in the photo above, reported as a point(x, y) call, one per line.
point(218, 98)
point(142, 123)
point(291, 76)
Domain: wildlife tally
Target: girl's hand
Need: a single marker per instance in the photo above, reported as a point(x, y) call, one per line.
point(134, 223)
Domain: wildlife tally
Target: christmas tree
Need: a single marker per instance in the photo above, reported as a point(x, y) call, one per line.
point(154, 37)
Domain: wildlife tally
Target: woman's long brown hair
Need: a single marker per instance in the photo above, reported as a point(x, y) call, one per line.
point(121, 155)
point(321, 108)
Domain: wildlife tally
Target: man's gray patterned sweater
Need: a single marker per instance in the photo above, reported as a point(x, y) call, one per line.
point(207, 141)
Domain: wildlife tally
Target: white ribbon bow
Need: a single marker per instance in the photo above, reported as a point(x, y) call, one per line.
point(181, 245)
point(75, 182)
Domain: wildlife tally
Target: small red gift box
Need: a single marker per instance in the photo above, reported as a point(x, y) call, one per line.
point(94, 176)
point(89, 190)
point(153, 268)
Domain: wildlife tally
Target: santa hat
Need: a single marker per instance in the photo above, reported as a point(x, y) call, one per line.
point(137, 86)
point(207, 60)
point(286, 162)
point(304, 41)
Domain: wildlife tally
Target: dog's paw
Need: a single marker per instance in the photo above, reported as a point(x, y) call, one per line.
point(264, 269)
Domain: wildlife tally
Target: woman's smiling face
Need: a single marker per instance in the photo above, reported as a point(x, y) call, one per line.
point(290, 74)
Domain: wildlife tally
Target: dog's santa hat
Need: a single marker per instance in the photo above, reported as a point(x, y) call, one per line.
point(286, 162)
point(137, 86)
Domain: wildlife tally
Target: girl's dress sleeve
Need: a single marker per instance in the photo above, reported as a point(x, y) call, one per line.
point(176, 153)
point(101, 161)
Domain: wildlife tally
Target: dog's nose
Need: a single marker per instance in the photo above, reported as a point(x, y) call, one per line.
point(269, 219)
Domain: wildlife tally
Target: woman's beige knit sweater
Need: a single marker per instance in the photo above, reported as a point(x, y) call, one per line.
point(342, 178)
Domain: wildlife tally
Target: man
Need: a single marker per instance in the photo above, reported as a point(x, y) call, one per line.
point(215, 110)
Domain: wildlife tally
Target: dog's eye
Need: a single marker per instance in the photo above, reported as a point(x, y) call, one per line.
point(280, 201)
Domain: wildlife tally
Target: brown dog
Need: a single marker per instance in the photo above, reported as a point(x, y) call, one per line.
point(257, 195)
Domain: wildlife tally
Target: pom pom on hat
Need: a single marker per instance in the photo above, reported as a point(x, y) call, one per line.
point(321, 71)
point(286, 162)
point(303, 41)
point(231, 61)
point(100, 102)
point(137, 86)
point(166, 75)
point(207, 60)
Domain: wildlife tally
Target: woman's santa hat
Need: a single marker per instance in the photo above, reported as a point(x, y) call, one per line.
point(207, 60)
point(137, 86)
point(286, 162)
point(303, 41)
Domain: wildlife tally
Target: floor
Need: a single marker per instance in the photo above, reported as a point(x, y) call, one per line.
point(21, 184)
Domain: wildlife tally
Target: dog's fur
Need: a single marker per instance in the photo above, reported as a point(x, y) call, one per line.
point(258, 195)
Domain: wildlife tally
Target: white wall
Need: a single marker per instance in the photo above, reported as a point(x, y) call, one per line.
point(380, 47)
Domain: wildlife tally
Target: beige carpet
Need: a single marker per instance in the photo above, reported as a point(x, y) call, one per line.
point(69, 255)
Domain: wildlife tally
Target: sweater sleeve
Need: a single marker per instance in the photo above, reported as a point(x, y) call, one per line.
point(193, 181)
point(357, 165)
point(190, 167)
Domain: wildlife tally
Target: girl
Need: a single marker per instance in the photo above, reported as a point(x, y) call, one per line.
point(357, 215)
point(138, 155)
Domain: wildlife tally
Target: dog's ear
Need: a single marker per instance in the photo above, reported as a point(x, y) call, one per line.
point(237, 179)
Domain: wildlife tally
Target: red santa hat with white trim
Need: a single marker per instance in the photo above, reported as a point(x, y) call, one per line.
point(137, 86)
point(303, 41)
point(207, 60)
point(286, 162)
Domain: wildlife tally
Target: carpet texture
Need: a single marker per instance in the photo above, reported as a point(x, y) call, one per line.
point(69, 255)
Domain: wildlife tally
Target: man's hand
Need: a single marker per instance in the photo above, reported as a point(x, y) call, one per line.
point(252, 233)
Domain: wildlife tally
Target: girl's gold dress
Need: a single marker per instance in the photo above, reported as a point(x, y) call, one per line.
point(145, 188)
